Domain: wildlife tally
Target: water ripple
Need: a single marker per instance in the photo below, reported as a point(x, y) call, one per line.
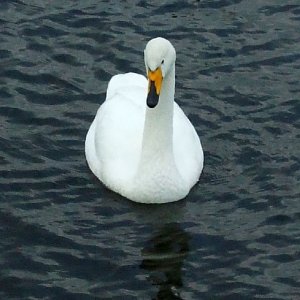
point(65, 236)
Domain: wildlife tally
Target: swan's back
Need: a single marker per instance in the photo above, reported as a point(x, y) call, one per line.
point(114, 140)
point(127, 88)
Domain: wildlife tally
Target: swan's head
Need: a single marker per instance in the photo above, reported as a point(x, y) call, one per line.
point(160, 57)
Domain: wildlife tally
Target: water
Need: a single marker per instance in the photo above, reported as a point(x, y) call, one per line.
point(65, 236)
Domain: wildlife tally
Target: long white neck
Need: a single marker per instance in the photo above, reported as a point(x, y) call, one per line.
point(157, 142)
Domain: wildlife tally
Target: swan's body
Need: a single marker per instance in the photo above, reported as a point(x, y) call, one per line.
point(147, 151)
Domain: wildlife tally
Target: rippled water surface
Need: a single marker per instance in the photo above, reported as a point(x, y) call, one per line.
point(65, 236)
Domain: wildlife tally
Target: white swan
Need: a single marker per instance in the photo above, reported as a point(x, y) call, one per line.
point(140, 144)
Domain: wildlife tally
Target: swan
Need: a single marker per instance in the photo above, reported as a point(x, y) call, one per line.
point(140, 143)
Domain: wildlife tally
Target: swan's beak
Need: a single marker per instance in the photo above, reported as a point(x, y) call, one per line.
point(155, 81)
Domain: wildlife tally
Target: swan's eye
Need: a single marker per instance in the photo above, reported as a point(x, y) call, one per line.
point(162, 62)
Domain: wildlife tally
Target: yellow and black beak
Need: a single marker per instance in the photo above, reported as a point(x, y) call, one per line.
point(155, 82)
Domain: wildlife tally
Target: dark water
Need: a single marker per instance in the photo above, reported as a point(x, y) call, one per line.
point(236, 236)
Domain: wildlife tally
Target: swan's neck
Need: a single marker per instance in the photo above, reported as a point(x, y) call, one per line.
point(157, 142)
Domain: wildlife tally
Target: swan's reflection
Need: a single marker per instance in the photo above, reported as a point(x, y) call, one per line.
point(163, 256)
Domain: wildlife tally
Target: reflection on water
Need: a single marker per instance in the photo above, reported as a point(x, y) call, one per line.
point(163, 257)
